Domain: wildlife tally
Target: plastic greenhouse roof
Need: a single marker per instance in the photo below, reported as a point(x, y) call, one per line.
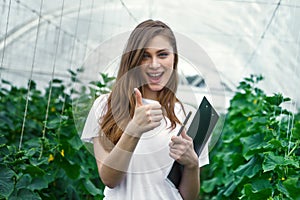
point(240, 37)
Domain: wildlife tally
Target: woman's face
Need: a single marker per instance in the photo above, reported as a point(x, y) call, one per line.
point(157, 65)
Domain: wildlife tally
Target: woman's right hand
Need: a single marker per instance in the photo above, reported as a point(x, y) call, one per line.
point(145, 118)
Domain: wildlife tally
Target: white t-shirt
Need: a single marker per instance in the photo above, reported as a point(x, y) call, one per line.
point(150, 162)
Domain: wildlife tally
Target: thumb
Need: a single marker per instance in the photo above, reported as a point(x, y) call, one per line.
point(138, 98)
point(185, 136)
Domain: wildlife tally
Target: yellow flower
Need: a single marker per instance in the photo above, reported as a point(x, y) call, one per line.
point(255, 101)
point(51, 158)
point(249, 118)
point(62, 153)
point(282, 178)
point(269, 128)
point(53, 109)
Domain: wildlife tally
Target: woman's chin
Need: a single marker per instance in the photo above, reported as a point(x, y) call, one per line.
point(155, 88)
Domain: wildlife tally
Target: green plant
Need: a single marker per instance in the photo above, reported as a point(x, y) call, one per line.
point(44, 158)
point(257, 156)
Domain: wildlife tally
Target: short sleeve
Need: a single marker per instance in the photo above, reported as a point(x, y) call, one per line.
point(92, 127)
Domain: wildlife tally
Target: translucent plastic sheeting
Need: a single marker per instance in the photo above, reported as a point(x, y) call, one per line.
point(241, 37)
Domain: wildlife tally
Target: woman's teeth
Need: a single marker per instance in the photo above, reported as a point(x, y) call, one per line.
point(155, 74)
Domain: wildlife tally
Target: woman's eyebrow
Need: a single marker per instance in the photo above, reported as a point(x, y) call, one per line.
point(161, 50)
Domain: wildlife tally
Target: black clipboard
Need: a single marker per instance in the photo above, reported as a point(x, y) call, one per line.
point(200, 130)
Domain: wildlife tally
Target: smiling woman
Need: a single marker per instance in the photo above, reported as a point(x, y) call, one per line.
point(157, 65)
point(134, 128)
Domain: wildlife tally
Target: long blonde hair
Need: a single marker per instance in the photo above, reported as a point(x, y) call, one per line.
point(121, 101)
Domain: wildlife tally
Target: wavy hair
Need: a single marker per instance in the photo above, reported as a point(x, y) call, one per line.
point(121, 101)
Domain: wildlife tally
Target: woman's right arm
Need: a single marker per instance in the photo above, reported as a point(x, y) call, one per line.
point(112, 166)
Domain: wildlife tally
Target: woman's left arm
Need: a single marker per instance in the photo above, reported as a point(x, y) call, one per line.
point(190, 183)
point(182, 150)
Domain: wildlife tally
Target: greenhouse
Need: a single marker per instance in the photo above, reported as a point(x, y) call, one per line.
point(58, 56)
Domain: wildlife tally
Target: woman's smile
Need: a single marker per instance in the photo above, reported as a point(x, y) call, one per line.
point(155, 78)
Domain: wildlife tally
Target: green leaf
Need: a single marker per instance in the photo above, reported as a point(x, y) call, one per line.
point(4, 151)
point(57, 81)
point(282, 189)
point(259, 120)
point(72, 170)
point(271, 161)
point(292, 186)
point(90, 187)
point(252, 144)
point(229, 189)
point(6, 121)
point(72, 193)
point(6, 181)
point(24, 194)
point(33, 142)
point(250, 169)
point(260, 184)
point(72, 72)
point(254, 194)
point(5, 82)
point(276, 143)
point(24, 181)
point(209, 185)
point(228, 179)
point(53, 124)
point(38, 183)
point(34, 170)
point(75, 142)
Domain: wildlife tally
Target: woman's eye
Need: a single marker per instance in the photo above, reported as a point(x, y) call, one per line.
point(163, 55)
point(145, 55)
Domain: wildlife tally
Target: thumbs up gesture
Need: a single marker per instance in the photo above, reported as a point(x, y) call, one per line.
point(145, 118)
point(138, 98)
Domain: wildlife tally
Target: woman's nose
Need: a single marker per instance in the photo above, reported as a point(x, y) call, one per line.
point(155, 63)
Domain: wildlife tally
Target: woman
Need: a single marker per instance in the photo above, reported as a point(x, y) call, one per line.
point(133, 129)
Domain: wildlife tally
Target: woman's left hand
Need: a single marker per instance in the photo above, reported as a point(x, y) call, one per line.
point(182, 150)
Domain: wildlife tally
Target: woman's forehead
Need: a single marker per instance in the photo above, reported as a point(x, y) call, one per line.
point(159, 42)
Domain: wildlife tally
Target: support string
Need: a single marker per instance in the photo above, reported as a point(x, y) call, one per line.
point(4, 43)
point(52, 76)
point(128, 11)
point(262, 35)
point(89, 26)
point(49, 21)
point(30, 78)
point(71, 65)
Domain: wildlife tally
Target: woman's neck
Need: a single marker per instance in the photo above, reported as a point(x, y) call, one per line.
point(149, 94)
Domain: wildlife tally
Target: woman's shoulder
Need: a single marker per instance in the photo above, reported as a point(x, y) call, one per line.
point(101, 98)
point(189, 107)
point(100, 102)
point(184, 107)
